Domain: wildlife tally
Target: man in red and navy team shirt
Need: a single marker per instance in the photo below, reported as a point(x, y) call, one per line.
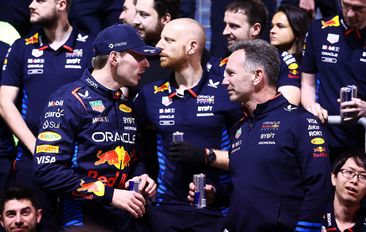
point(195, 103)
point(278, 160)
point(34, 67)
point(7, 147)
point(335, 56)
point(345, 211)
point(90, 154)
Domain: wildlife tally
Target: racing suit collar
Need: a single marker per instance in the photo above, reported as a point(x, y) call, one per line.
point(89, 80)
point(268, 106)
point(193, 92)
point(68, 46)
point(359, 34)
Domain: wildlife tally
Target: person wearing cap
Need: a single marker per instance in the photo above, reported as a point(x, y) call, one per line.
point(34, 67)
point(89, 154)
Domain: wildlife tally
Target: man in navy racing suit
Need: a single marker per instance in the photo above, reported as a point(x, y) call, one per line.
point(86, 144)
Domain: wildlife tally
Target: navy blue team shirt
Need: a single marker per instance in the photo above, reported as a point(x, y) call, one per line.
point(6, 138)
point(38, 70)
point(203, 113)
point(336, 54)
point(280, 170)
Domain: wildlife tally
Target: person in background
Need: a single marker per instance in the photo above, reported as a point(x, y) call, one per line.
point(7, 146)
point(34, 67)
point(128, 12)
point(345, 211)
point(244, 20)
point(20, 210)
point(289, 26)
point(334, 57)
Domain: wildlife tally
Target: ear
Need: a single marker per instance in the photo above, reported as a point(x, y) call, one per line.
point(258, 77)
point(192, 47)
point(255, 30)
point(61, 5)
point(166, 18)
point(333, 179)
point(39, 214)
point(113, 56)
point(1, 221)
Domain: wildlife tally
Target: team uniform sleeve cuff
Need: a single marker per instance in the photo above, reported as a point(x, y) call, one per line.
point(303, 226)
point(108, 195)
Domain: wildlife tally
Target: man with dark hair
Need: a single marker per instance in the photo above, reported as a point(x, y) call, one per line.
point(244, 20)
point(278, 161)
point(345, 211)
point(128, 12)
point(19, 210)
point(91, 155)
point(34, 67)
point(151, 17)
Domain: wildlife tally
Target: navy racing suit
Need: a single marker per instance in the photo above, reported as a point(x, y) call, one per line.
point(86, 145)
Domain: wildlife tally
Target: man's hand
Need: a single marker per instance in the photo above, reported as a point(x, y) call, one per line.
point(319, 112)
point(146, 186)
point(184, 152)
point(131, 201)
point(210, 192)
point(356, 108)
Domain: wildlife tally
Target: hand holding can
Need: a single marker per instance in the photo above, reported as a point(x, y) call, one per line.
point(199, 195)
point(347, 94)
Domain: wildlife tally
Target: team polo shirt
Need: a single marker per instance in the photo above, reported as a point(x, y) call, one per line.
point(203, 114)
point(6, 138)
point(280, 170)
point(289, 70)
point(330, 224)
point(336, 54)
point(38, 70)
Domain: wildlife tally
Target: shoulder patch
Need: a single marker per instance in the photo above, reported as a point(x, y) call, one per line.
point(334, 22)
point(78, 97)
point(82, 38)
point(162, 88)
point(223, 61)
point(33, 39)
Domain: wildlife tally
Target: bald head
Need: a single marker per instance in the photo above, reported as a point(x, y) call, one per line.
point(182, 42)
point(188, 30)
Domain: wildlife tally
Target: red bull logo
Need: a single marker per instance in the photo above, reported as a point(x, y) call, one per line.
point(334, 22)
point(161, 88)
point(97, 187)
point(224, 61)
point(319, 149)
point(32, 40)
point(117, 157)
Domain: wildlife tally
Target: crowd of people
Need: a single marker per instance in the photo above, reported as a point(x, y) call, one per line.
point(93, 96)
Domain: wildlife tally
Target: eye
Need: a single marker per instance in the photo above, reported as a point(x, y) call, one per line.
point(10, 214)
point(362, 177)
point(348, 172)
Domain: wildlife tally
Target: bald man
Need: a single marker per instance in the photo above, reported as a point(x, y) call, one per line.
point(195, 103)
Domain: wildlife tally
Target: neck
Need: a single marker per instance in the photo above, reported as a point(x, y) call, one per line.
point(345, 213)
point(103, 77)
point(188, 75)
point(58, 33)
point(260, 97)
